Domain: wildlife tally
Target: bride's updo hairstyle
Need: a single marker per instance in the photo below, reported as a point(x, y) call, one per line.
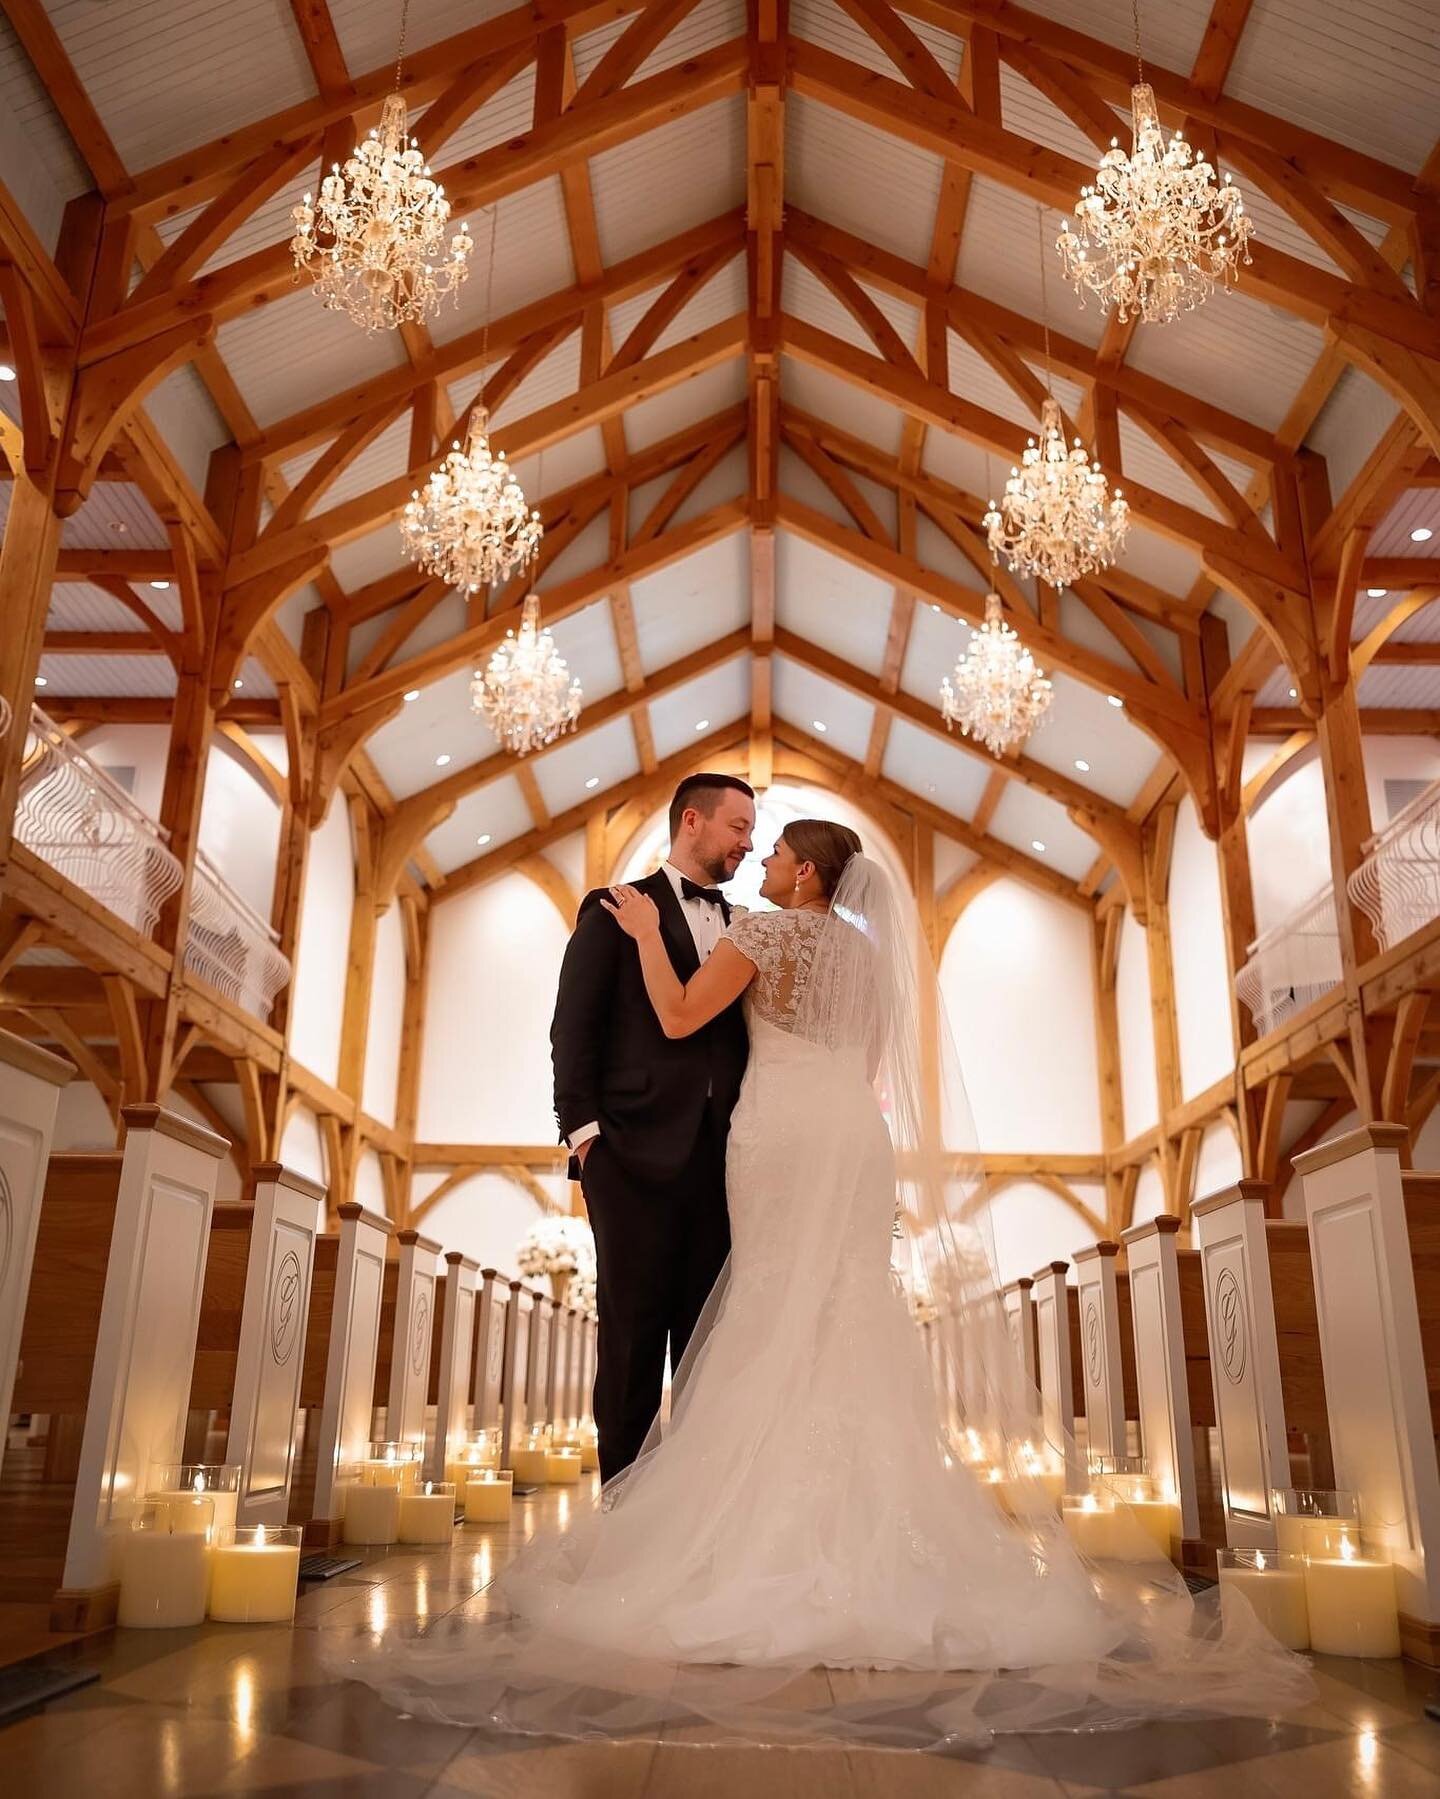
point(829, 846)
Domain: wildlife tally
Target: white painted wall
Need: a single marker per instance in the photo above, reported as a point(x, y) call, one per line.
point(1197, 938)
point(370, 1183)
point(485, 1217)
point(135, 755)
point(324, 946)
point(1016, 977)
point(387, 1016)
point(302, 1147)
point(1137, 1030)
point(1031, 1226)
point(240, 826)
point(1149, 1194)
point(1219, 1165)
point(494, 964)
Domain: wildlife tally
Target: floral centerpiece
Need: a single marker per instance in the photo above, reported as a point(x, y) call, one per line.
point(560, 1247)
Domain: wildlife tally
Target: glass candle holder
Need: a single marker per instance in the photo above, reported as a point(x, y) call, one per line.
point(164, 1570)
point(178, 1482)
point(1089, 1520)
point(428, 1514)
point(394, 1464)
point(1126, 1476)
point(488, 1496)
point(487, 1445)
point(1350, 1595)
point(1314, 1520)
point(530, 1458)
point(1272, 1586)
point(369, 1511)
point(255, 1573)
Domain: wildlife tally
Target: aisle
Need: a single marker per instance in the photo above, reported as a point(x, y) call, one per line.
point(228, 1710)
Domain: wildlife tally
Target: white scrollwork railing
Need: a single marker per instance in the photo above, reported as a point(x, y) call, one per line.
point(1397, 886)
point(1292, 965)
point(72, 815)
point(230, 945)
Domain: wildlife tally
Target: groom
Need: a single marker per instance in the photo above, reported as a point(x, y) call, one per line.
point(646, 1116)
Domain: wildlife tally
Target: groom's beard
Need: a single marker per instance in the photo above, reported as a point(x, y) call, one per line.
point(717, 868)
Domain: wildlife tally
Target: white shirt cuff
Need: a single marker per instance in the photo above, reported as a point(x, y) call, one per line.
point(583, 1135)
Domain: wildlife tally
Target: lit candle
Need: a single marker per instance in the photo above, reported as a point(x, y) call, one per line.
point(253, 1577)
point(370, 1514)
point(164, 1572)
point(563, 1466)
point(1310, 1521)
point(180, 1485)
point(1159, 1519)
point(429, 1515)
point(487, 1497)
point(1091, 1526)
point(531, 1463)
point(1273, 1587)
point(1352, 1604)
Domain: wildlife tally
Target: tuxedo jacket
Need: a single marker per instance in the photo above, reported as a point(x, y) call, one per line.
point(649, 1093)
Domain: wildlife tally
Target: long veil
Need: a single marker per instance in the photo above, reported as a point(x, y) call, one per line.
point(845, 1529)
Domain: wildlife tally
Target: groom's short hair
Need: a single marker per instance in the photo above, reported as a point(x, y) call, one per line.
point(703, 793)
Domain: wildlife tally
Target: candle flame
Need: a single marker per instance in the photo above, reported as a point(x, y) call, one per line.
point(1090, 1503)
point(259, 1538)
point(389, 1452)
point(198, 1484)
point(1260, 1560)
point(427, 1489)
point(1347, 1550)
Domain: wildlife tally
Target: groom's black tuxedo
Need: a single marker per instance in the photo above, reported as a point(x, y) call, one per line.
point(654, 1180)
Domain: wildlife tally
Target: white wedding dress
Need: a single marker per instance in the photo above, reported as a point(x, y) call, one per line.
point(803, 1509)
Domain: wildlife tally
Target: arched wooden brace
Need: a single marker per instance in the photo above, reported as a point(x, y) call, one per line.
point(247, 606)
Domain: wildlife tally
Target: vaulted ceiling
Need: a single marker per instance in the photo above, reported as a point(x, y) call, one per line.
point(773, 307)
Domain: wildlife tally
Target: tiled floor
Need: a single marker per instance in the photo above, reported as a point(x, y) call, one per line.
point(236, 1709)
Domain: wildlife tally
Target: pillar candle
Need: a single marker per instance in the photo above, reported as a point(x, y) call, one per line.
point(1091, 1528)
point(487, 1500)
point(164, 1578)
point(563, 1466)
point(1352, 1605)
point(589, 1454)
point(371, 1514)
point(1159, 1519)
point(214, 1512)
point(1275, 1590)
point(429, 1515)
point(253, 1577)
point(532, 1466)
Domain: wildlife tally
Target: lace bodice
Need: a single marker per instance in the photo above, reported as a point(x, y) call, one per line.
point(782, 946)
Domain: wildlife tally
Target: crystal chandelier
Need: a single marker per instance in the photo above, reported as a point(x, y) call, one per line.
point(375, 242)
point(470, 525)
point(1057, 519)
point(526, 695)
point(1158, 233)
point(996, 694)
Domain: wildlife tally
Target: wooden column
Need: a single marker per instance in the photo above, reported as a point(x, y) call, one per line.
point(27, 569)
point(1105, 942)
point(360, 965)
point(1158, 842)
point(412, 1029)
point(1347, 809)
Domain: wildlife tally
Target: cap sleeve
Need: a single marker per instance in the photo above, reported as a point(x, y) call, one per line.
point(747, 931)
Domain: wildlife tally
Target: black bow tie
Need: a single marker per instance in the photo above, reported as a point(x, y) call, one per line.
point(689, 889)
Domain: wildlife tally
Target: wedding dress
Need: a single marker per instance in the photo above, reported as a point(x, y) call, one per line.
point(807, 1507)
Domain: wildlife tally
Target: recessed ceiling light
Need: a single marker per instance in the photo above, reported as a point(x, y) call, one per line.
point(40, 681)
point(1115, 700)
point(440, 761)
point(1082, 765)
point(930, 788)
point(160, 586)
point(934, 607)
point(702, 724)
point(1377, 593)
point(1293, 694)
point(1421, 534)
point(1037, 846)
point(6, 372)
point(820, 725)
point(482, 841)
point(119, 527)
point(594, 781)
point(237, 682)
point(414, 694)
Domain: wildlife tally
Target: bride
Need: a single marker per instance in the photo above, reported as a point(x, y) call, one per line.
point(806, 1550)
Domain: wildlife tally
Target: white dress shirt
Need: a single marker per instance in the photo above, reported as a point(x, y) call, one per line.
point(707, 926)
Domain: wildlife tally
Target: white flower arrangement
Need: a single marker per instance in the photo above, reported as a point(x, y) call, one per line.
point(582, 1292)
point(557, 1245)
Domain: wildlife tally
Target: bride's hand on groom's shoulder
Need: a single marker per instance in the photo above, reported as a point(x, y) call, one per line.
point(636, 913)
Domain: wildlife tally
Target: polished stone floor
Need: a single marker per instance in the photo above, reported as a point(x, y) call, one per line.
point(239, 1709)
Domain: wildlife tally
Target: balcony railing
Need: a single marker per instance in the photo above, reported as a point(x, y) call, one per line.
point(230, 945)
point(1292, 965)
point(1397, 886)
point(72, 815)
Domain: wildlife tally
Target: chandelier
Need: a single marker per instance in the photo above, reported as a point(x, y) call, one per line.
point(1158, 233)
point(374, 244)
point(1057, 519)
point(996, 694)
point(470, 525)
point(526, 695)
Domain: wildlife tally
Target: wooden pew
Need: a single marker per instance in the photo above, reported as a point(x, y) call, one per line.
point(1264, 1356)
point(1107, 1349)
point(1375, 1253)
point(107, 1347)
point(589, 1352)
point(513, 1376)
point(538, 1364)
point(1019, 1303)
point(1057, 1359)
point(488, 1360)
point(407, 1318)
point(245, 1389)
point(452, 1346)
point(1174, 1396)
point(30, 1083)
point(337, 1383)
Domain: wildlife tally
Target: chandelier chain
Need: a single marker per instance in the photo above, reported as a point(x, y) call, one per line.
point(400, 48)
point(1044, 295)
point(1139, 59)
